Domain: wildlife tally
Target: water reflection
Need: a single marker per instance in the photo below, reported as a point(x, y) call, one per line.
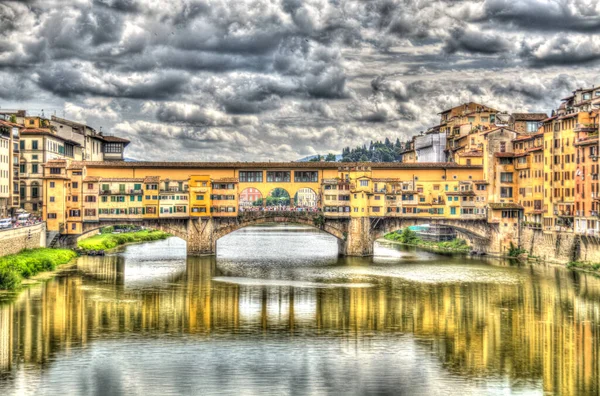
point(150, 320)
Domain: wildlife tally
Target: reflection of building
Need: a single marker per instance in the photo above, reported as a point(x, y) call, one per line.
point(249, 196)
point(306, 197)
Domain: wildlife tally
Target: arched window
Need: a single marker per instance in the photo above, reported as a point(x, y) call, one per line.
point(22, 190)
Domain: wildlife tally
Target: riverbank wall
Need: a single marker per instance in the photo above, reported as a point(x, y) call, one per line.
point(560, 247)
point(14, 240)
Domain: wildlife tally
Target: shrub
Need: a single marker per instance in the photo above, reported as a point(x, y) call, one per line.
point(107, 230)
point(515, 251)
point(28, 263)
point(109, 241)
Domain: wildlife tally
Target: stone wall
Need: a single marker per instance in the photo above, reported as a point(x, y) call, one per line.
point(560, 247)
point(14, 240)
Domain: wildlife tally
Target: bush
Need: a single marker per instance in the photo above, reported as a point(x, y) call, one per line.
point(9, 279)
point(107, 230)
point(515, 251)
point(107, 241)
point(29, 262)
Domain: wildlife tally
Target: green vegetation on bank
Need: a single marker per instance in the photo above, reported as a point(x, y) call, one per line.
point(409, 237)
point(107, 240)
point(16, 267)
point(584, 265)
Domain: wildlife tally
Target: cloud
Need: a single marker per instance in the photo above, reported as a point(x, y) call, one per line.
point(280, 79)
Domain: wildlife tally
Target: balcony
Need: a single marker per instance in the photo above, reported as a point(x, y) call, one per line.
point(586, 128)
point(176, 190)
point(121, 192)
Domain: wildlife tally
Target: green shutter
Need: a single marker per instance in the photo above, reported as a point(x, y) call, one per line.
point(131, 198)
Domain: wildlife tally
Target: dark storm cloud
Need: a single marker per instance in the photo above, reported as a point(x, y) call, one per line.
point(544, 15)
point(290, 76)
point(465, 40)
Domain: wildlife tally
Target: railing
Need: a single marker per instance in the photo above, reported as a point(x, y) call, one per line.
point(121, 192)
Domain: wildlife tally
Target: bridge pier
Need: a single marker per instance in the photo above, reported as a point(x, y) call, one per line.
point(200, 237)
point(359, 238)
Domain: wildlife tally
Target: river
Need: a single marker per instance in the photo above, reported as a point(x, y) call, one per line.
point(277, 312)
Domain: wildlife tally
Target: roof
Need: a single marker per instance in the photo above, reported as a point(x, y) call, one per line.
point(46, 132)
point(528, 137)
point(113, 139)
point(57, 163)
point(227, 180)
point(72, 124)
point(510, 205)
point(496, 129)
point(529, 116)
point(471, 154)
point(504, 155)
point(277, 165)
point(585, 142)
point(11, 124)
point(92, 179)
point(152, 179)
point(75, 166)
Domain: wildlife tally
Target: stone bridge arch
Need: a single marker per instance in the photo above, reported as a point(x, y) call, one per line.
point(478, 232)
point(225, 226)
point(175, 227)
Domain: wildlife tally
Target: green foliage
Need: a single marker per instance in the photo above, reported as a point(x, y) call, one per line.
point(13, 118)
point(330, 157)
point(583, 265)
point(319, 221)
point(29, 262)
point(107, 230)
point(109, 241)
point(409, 237)
point(376, 152)
point(515, 251)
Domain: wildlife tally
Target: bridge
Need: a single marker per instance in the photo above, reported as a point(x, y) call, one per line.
point(355, 202)
point(355, 236)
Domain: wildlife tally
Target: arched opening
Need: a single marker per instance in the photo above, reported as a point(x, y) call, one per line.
point(250, 199)
point(438, 236)
point(278, 199)
point(306, 199)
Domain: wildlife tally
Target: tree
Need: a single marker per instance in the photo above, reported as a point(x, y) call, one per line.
point(330, 157)
point(13, 118)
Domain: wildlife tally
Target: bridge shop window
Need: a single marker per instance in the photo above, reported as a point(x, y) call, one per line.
point(279, 176)
point(74, 213)
point(90, 212)
point(306, 176)
point(251, 176)
point(151, 209)
point(198, 210)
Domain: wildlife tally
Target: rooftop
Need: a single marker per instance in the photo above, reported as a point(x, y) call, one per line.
point(508, 205)
point(529, 116)
point(275, 165)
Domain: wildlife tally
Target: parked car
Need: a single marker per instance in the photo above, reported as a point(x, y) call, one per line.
point(5, 223)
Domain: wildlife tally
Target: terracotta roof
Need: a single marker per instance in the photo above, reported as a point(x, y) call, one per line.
point(550, 118)
point(585, 142)
point(113, 139)
point(509, 205)
point(91, 179)
point(570, 115)
point(480, 182)
point(529, 116)
point(11, 124)
point(152, 179)
point(496, 129)
point(528, 137)
point(34, 131)
point(471, 154)
point(538, 148)
point(271, 165)
point(57, 163)
point(75, 166)
point(47, 132)
point(226, 180)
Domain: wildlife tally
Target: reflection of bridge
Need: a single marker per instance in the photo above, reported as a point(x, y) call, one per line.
point(355, 235)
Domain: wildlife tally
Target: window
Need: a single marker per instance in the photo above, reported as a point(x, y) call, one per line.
point(91, 198)
point(502, 147)
point(251, 176)
point(51, 215)
point(506, 177)
point(34, 168)
point(306, 176)
point(52, 184)
point(90, 212)
point(506, 192)
point(22, 145)
point(532, 126)
point(51, 199)
point(55, 171)
point(74, 213)
point(75, 184)
point(75, 198)
point(34, 144)
point(364, 183)
point(278, 176)
point(113, 148)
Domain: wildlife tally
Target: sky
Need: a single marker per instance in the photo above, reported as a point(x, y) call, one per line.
point(278, 80)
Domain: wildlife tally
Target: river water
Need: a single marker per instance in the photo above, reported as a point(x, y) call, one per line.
point(277, 312)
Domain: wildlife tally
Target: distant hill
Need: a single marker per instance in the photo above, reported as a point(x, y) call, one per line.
point(307, 159)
